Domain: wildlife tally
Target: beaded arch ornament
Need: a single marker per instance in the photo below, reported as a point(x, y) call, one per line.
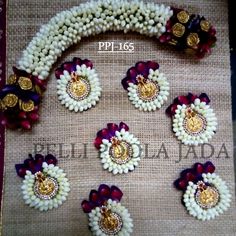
point(20, 98)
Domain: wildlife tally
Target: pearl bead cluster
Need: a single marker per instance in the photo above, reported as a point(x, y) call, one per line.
point(68, 27)
point(205, 135)
point(107, 159)
point(194, 208)
point(33, 200)
point(159, 99)
point(116, 207)
point(90, 100)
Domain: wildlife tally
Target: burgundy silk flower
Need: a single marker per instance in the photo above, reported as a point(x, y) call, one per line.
point(187, 100)
point(193, 174)
point(109, 132)
point(98, 198)
point(140, 68)
point(34, 164)
point(71, 66)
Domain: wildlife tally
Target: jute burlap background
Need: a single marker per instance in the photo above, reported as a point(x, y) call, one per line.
point(148, 192)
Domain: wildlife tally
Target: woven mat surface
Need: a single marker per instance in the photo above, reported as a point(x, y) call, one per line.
point(154, 204)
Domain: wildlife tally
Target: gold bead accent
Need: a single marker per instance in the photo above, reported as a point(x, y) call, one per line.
point(26, 106)
point(178, 30)
point(172, 42)
point(25, 83)
point(10, 100)
point(11, 79)
point(183, 17)
point(193, 40)
point(205, 25)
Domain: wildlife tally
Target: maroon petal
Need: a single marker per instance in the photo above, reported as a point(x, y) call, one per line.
point(39, 159)
point(141, 68)
point(191, 97)
point(116, 193)
point(152, 65)
point(69, 66)
point(183, 100)
point(112, 127)
point(93, 196)
point(25, 125)
point(58, 73)
point(104, 191)
point(22, 115)
point(209, 167)
point(87, 208)
point(170, 111)
point(50, 159)
point(33, 116)
point(125, 83)
point(132, 73)
point(98, 142)
point(180, 184)
point(20, 170)
point(88, 63)
point(204, 98)
point(77, 61)
point(188, 175)
point(198, 167)
point(104, 134)
point(122, 125)
point(19, 72)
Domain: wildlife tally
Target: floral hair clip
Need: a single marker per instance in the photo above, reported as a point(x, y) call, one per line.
point(45, 185)
point(189, 33)
point(147, 88)
point(206, 195)
point(106, 215)
point(78, 85)
point(194, 122)
point(120, 151)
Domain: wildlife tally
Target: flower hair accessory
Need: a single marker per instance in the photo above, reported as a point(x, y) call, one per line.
point(190, 33)
point(194, 122)
point(106, 215)
point(78, 85)
point(206, 195)
point(45, 185)
point(120, 151)
point(147, 87)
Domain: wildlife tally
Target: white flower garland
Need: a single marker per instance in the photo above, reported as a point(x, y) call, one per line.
point(93, 93)
point(91, 18)
point(207, 117)
point(161, 96)
point(130, 162)
point(115, 207)
point(31, 197)
point(196, 210)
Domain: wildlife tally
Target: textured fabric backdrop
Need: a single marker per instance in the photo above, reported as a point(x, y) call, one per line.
point(154, 204)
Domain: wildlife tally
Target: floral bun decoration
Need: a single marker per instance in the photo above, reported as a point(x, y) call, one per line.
point(78, 85)
point(194, 121)
point(147, 88)
point(106, 214)
point(45, 185)
point(205, 194)
point(120, 151)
